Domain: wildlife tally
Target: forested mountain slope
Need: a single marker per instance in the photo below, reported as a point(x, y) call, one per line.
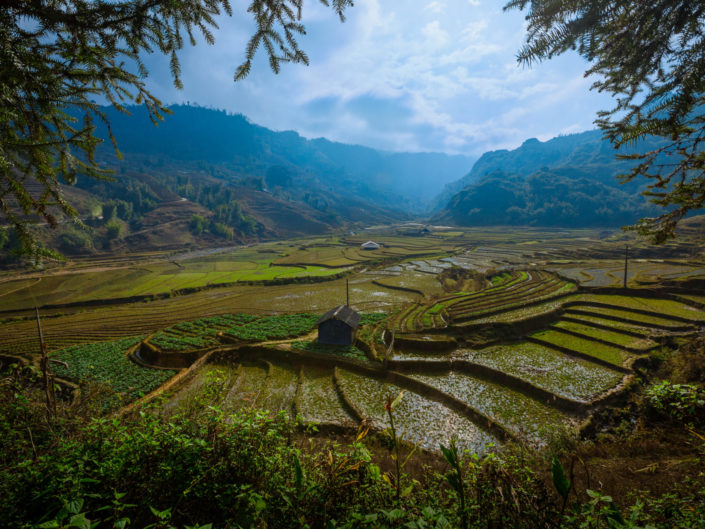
point(568, 181)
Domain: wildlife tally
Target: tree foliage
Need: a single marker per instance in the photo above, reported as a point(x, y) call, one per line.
point(651, 57)
point(58, 57)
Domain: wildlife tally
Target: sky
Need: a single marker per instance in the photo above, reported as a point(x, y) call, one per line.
point(397, 75)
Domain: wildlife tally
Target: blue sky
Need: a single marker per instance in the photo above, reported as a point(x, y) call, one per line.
point(401, 75)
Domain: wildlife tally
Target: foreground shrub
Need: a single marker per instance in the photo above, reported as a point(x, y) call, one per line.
point(683, 402)
point(206, 469)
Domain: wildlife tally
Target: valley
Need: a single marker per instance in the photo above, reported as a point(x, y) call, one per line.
point(493, 334)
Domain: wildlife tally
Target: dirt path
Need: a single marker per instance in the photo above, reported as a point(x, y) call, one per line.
point(308, 337)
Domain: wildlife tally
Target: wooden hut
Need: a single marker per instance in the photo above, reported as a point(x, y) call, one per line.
point(369, 245)
point(338, 326)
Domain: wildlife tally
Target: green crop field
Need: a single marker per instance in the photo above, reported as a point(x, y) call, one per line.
point(615, 338)
point(105, 363)
point(608, 353)
point(274, 327)
point(654, 319)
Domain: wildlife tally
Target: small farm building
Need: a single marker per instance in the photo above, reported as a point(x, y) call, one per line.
point(369, 245)
point(338, 326)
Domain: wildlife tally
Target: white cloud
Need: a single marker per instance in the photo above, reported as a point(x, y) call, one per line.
point(437, 6)
point(448, 64)
point(436, 36)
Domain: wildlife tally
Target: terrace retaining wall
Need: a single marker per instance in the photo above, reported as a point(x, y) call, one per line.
point(406, 341)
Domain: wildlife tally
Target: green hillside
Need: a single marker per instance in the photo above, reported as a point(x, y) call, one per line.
point(568, 181)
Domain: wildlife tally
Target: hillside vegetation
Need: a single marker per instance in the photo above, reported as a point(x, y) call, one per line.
point(569, 181)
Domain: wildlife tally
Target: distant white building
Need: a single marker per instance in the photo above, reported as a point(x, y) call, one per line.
point(369, 245)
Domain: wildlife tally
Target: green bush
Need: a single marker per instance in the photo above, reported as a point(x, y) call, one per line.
point(221, 230)
point(680, 401)
point(243, 471)
point(197, 224)
point(73, 241)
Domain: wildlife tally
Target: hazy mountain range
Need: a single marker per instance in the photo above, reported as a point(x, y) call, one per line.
point(203, 177)
point(234, 149)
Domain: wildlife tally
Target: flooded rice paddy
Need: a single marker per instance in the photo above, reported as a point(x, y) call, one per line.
point(420, 420)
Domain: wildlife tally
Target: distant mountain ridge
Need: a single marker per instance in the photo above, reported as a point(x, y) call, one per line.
point(567, 181)
point(406, 182)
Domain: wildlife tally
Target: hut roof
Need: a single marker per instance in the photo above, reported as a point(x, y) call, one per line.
point(342, 313)
point(369, 244)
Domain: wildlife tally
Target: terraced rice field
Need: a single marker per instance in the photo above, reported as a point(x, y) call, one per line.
point(207, 387)
point(539, 285)
point(627, 341)
point(318, 400)
point(602, 352)
point(249, 389)
point(282, 381)
point(578, 351)
point(651, 320)
point(523, 415)
point(151, 279)
point(615, 326)
point(665, 307)
point(507, 291)
point(420, 420)
point(546, 368)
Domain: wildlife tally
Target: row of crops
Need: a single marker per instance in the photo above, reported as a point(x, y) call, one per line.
point(200, 333)
point(106, 364)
